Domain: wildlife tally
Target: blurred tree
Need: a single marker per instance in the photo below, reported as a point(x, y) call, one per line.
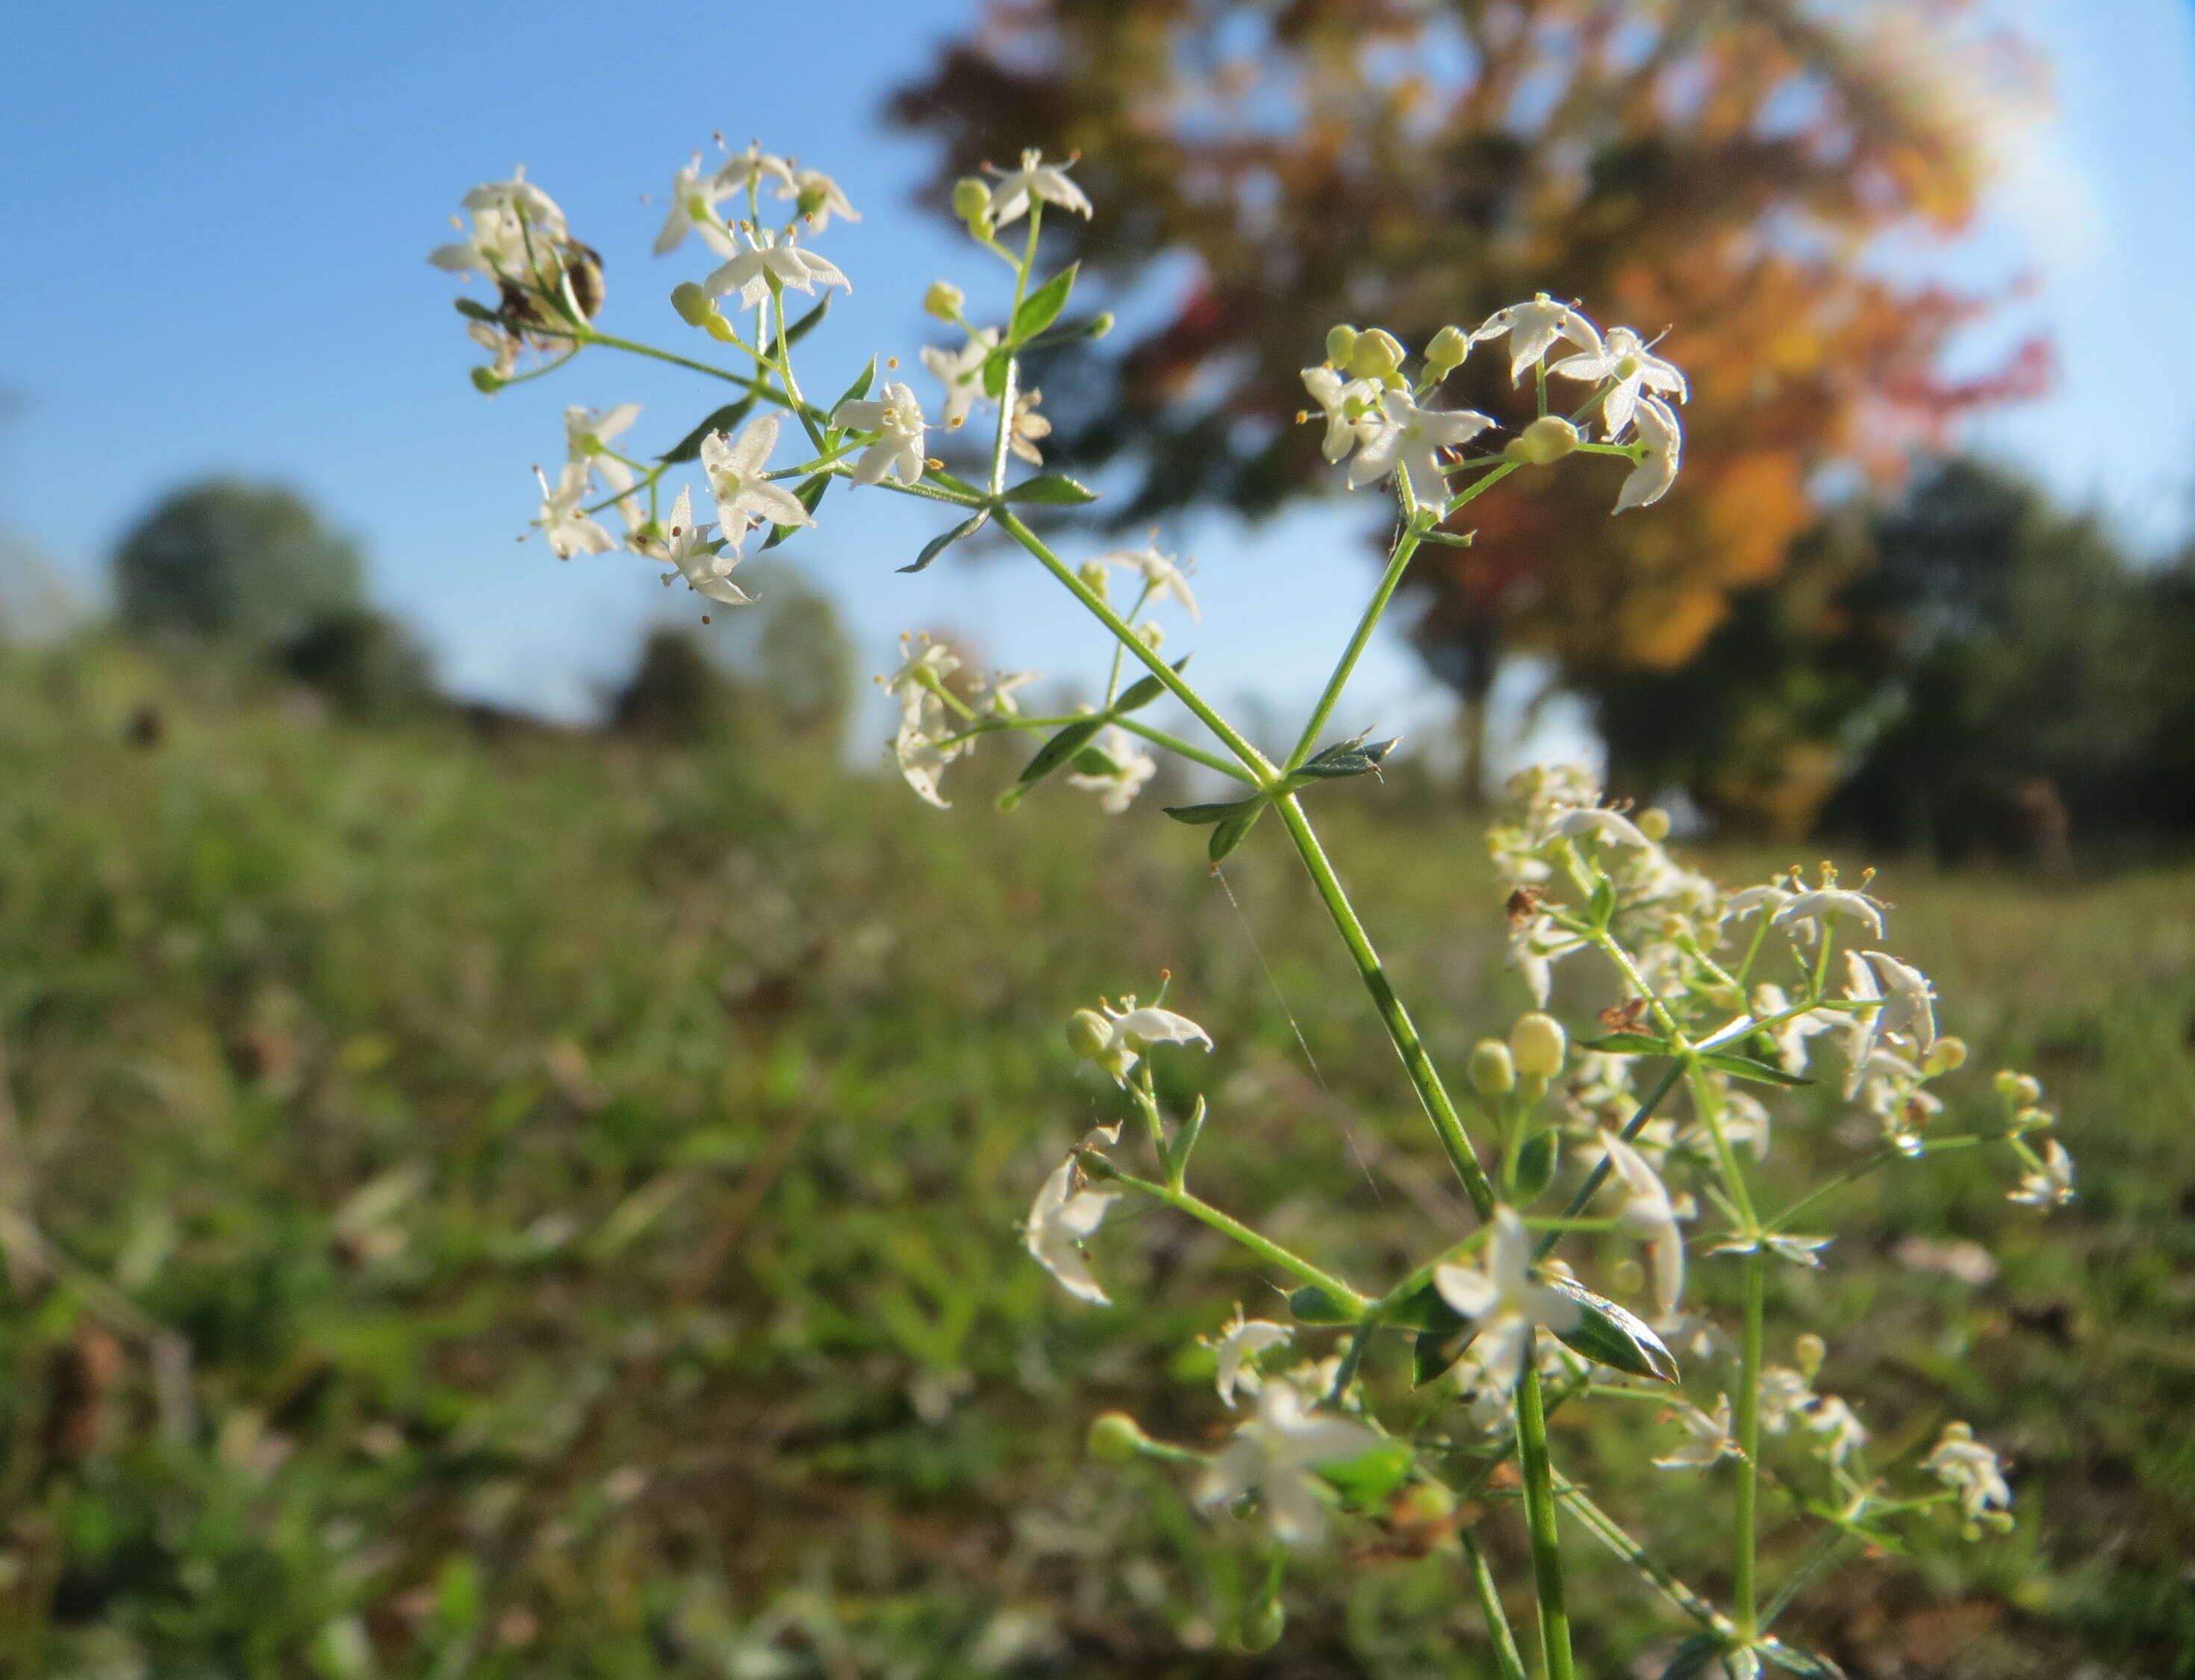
point(241, 564)
point(363, 662)
point(677, 696)
point(1722, 167)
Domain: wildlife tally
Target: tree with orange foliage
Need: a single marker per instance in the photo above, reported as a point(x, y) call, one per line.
point(1728, 164)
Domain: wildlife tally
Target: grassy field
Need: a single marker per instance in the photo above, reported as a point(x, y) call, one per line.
point(540, 1208)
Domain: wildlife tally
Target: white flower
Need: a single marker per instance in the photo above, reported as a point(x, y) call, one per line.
point(587, 434)
point(994, 694)
point(1799, 1251)
point(1813, 908)
point(921, 664)
point(897, 419)
point(1127, 1032)
point(2052, 1187)
point(1061, 1218)
point(1959, 1461)
point(1710, 1441)
point(1864, 1026)
point(1028, 427)
point(921, 756)
point(1634, 370)
point(1507, 1301)
point(1785, 1395)
point(1533, 329)
point(1271, 1456)
point(693, 200)
point(751, 168)
point(1843, 1435)
point(961, 372)
point(1604, 828)
point(734, 467)
point(819, 197)
point(1650, 480)
point(1337, 398)
point(1162, 574)
point(1132, 767)
point(1406, 436)
point(749, 272)
point(1536, 945)
point(1237, 1346)
point(1036, 179)
point(1649, 1215)
point(569, 531)
point(1772, 898)
point(1909, 1006)
point(700, 559)
point(1770, 1001)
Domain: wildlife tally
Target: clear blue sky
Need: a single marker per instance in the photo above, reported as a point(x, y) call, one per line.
point(217, 219)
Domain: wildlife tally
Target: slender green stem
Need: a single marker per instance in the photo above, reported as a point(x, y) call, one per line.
point(1824, 1549)
point(761, 388)
point(1202, 1210)
point(1744, 1590)
point(1929, 1146)
point(1598, 1176)
point(1610, 1533)
point(1539, 1515)
point(1424, 1077)
point(1505, 1654)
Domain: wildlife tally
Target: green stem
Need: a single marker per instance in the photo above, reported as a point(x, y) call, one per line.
point(1505, 1654)
point(1202, 1210)
point(1610, 1533)
point(1539, 1515)
point(1415, 1062)
point(1602, 1168)
point(760, 388)
point(1744, 1592)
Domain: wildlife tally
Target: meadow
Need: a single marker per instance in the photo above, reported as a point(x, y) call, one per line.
point(523, 1203)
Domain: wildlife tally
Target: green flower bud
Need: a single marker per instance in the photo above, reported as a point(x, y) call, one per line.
point(1263, 1627)
point(1340, 344)
point(1627, 1277)
point(1446, 351)
point(1376, 354)
point(1492, 1070)
point(1101, 323)
point(971, 200)
point(488, 381)
point(1946, 1055)
point(694, 306)
point(1539, 1044)
point(1547, 440)
point(2026, 1090)
point(1115, 1438)
point(943, 300)
point(1152, 635)
point(1097, 577)
point(1422, 1504)
point(1807, 1353)
point(1088, 1033)
point(1653, 822)
point(720, 329)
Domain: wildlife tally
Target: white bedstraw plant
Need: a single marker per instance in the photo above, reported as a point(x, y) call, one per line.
point(1649, 1136)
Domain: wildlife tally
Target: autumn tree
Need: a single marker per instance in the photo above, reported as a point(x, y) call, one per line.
point(1721, 167)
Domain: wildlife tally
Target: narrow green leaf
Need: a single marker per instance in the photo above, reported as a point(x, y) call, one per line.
point(808, 323)
point(995, 374)
point(1629, 1044)
point(1063, 746)
point(1807, 1664)
point(1141, 692)
point(1694, 1657)
point(1347, 757)
point(1231, 831)
point(1610, 1335)
point(1535, 1168)
point(1603, 904)
point(809, 492)
point(937, 545)
point(1042, 306)
point(860, 388)
point(1366, 1481)
point(473, 309)
point(1436, 1352)
point(689, 447)
point(1746, 1067)
point(1428, 1309)
point(1198, 816)
point(1096, 761)
point(1051, 489)
point(1311, 1305)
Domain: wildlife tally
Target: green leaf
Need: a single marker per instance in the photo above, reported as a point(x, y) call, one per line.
point(1428, 1309)
point(1349, 758)
point(1059, 749)
point(1231, 831)
point(995, 374)
point(860, 388)
point(1199, 815)
point(810, 492)
point(1603, 904)
point(689, 447)
point(1051, 489)
point(1611, 1335)
point(937, 545)
point(473, 309)
point(1366, 1481)
point(1808, 1664)
point(1694, 1657)
point(1746, 1067)
point(1436, 1351)
point(1042, 306)
point(1629, 1044)
point(1312, 1305)
point(1141, 692)
point(1535, 1168)
point(939, 475)
point(1096, 761)
point(808, 323)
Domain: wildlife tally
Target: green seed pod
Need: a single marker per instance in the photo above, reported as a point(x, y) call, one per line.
point(1446, 351)
point(1340, 344)
point(1539, 1044)
point(1263, 1627)
point(1492, 1070)
point(1115, 1438)
point(1088, 1033)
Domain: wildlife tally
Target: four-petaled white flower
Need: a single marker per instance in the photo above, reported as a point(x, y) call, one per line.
point(1028, 428)
point(921, 755)
point(734, 467)
point(1770, 1001)
point(1649, 1215)
point(1908, 1008)
point(751, 168)
point(1785, 1395)
point(1603, 827)
point(961, 372)
point(1650, 480)
point(994, 694)
point(1534, 328)
point(1812, 908)
point(1162, 574)
point(1132, 767)
point(2052, 1187)
point(1507, 1302)
point(695, 196)
point(1961, 1462)
point(819, 198)
point(569, 531)
point(1272, 1455)
point(749, 270)
point(1633, 369)
point(1036, 179)
point(1129, 1031)
point(587, 435)
point(1710, 1441)
point(1411, 437)
point(1842, 1434)
point(1059, 1221)
point(700, 557)
point(1799, 1251)
point(923, 665)
point(1351, 407)
point(1770, 898)
point(1236, 1350)
point(896, 419)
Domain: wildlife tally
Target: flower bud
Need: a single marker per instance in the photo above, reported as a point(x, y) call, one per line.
point(1423, 1503)
point(1088, 1033)
point(1151, 635)
point(694, 306)
point(488, 381)
point(1101, 323)
point(1946, 1055)
point(943, 300)
point(2026, 1090)
point(1265, 1624)
point(1115, 1438)
point(1340, 344)
point(1653, 822)
point(1543, 442)
point(1097, 577)
point(1626, 1276)
point(1493, 1071)
point(1446, 351)
point(1807, 1353)
point(971, 200)
point(720, 329)
point(1539, 1044)
point(1375, 355)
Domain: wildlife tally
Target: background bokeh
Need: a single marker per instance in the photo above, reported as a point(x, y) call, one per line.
point(512, 1121)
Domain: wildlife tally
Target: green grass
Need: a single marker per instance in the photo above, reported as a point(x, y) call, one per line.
point(586, 1182)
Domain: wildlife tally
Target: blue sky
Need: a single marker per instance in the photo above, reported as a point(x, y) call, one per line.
point(217, 219)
